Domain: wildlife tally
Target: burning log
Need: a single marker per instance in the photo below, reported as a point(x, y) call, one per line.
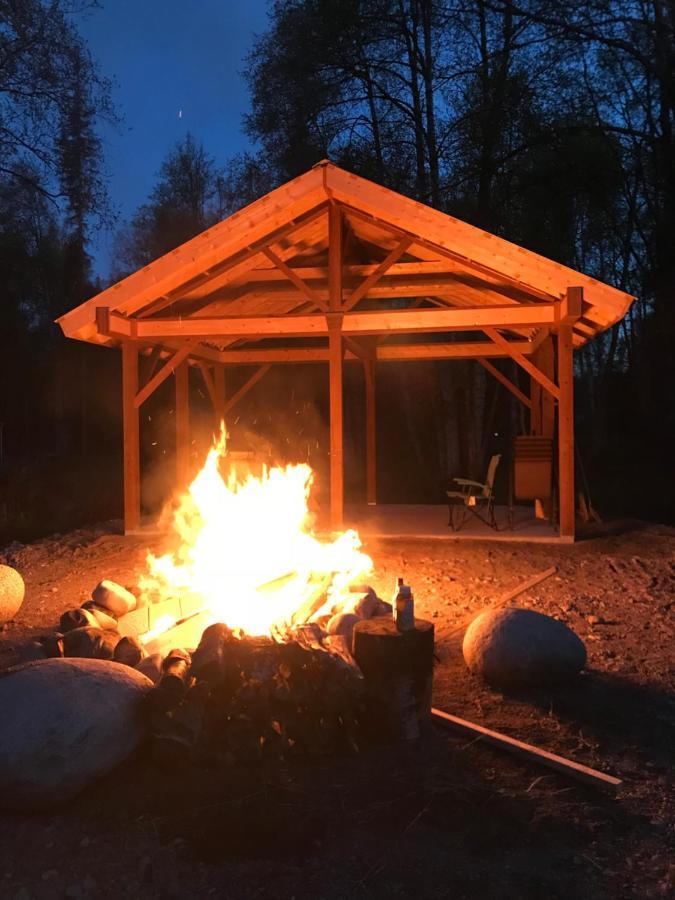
point(209, 657)
point(90, 643)
point(129, 651)
point(175, 679)
point(398, 671)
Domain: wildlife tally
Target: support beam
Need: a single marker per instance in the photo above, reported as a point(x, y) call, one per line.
point(522, 361)
point(181, 375)
point(170, 366)
point(131, 438)
point(245, 388)
point(410, 321)
point(566, 431)
point(371, 437)
point(375, 276)
point(335, 352)
point(209, 385)
point(502, 379)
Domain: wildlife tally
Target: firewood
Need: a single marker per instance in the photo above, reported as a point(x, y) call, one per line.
point(90, 643)
point(128, 651)
point(175, 678)
point(209, 657)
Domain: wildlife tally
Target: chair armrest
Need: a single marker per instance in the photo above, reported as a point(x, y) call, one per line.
point(469, 483)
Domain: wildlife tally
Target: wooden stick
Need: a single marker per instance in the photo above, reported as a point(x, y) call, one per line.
point(507, 597)
point(589, 776)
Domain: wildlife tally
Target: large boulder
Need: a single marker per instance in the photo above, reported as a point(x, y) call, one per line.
point(12, 590)
point(65, 723)
point(522, 648)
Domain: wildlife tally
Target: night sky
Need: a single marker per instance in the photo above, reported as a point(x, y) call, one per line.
point(176, 66)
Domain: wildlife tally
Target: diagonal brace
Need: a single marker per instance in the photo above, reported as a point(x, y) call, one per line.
point(523, 362)
point(166, 370)
point(246, 387)
point(292, 276)
point(375, 276)
point(508, 384)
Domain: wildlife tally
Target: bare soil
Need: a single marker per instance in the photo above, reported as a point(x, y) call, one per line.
point(446, 817)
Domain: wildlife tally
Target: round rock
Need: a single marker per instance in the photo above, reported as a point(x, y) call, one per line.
point(113, 597)
point(12, 591)
point(522, 648)
point(66, 722)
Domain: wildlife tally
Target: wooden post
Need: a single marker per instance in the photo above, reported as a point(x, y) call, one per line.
point(566, 431)
point(371, 446)
point(334, 321)
point(182, 425)
point(131, 438)
point(219, 383)
point(542, 411)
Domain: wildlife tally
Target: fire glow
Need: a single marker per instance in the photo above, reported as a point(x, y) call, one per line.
point(247, 553)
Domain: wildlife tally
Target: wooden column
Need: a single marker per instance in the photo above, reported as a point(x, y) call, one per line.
point(371, 446)
point(181, 375)
point(566, 431)
point(131, 438)
point(542, 419)
point(334, 320)
point(219, 383)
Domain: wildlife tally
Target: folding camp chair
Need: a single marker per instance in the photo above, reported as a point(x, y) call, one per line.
point(474, 497)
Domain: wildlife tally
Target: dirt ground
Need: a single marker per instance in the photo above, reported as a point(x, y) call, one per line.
point(444, 818)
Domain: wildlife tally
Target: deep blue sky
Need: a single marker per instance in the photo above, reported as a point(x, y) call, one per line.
point(176, 65)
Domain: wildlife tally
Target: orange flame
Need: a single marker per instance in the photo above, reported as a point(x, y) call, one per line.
point(247, 552)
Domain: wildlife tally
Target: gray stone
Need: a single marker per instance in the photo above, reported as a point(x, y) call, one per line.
point(367, 605)
point(12, 592)
point(522, 648)
point(129, 651)
point(65, 723)
point(114, 597)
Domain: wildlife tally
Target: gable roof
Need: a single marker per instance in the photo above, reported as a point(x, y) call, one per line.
point(229, 271)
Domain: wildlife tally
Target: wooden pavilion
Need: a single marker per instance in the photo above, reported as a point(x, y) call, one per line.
point(332, 268)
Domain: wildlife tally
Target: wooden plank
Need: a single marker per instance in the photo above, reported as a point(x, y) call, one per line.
point(411, 321)
point(295, 279)
point(568, 767)
point(566, 431)
point(131, 438)
point(522, 361)
point(335, 352)
point(245, 388)
point(371, 433)
point(571, 306)
point(375, 276)
point(181, 375)
point(508, 384)
point(167, 369)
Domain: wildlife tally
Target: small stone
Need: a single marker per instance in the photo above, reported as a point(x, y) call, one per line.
point(12, 592)
point(90, 643)
point(113, 597)
point(151, 667)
